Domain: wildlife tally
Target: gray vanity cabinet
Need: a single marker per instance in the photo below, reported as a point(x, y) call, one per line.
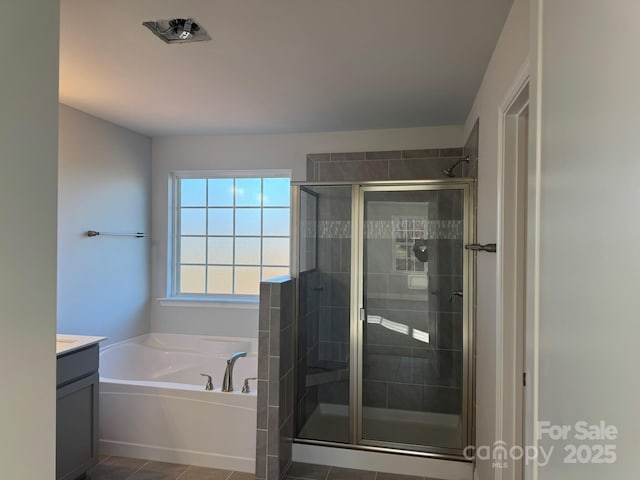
point(77, 413)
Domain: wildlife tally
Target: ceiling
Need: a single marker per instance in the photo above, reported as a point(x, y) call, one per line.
point(276, 66)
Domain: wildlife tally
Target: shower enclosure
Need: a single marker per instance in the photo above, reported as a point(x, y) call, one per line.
point(384, 326)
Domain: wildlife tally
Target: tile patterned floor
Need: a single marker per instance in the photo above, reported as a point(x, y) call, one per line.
point(306, 471)
point(122, 468)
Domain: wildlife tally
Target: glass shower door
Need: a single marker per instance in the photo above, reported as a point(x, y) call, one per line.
point(324, 284)
point(413, 370)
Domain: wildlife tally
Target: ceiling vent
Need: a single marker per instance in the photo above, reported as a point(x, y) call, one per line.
point(178, 30)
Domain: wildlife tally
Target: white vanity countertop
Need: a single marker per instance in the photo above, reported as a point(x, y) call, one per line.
point(69, 343)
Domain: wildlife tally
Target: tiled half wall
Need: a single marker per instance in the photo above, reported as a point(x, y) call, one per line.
point(275, 378)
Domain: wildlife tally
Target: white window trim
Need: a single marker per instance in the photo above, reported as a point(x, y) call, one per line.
point(210, 301)
point(220, 300)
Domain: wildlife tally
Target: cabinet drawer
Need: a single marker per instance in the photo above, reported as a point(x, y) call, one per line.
point(77, 364)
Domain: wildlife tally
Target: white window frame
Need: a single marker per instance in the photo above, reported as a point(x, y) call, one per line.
point(173, 263)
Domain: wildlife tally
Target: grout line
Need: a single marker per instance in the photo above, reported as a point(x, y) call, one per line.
point(186, 470)
point(375, 476)
point(230, 474)
point(328, 472)
point(143, 465)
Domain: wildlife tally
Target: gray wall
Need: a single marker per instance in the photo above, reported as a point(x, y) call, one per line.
point(589, 263)
point(105, 185)
point(28, 189)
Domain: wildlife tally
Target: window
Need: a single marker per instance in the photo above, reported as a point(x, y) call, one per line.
point(230, 233)
point(409, 233)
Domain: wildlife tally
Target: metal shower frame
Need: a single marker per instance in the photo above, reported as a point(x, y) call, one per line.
point(468, 186)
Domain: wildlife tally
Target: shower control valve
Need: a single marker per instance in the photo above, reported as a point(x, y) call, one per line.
point(455, 293)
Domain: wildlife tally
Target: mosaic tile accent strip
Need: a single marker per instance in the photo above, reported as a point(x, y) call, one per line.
point(384, 230)
point(334, 229)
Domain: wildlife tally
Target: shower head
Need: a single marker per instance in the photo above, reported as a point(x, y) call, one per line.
point(449, 171)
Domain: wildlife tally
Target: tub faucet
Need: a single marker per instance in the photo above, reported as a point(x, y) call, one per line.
point(227, 383)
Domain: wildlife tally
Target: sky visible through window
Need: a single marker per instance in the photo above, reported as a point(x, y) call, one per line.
point(232, 233)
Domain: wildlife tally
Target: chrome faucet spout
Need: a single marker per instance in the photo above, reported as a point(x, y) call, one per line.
point(227, 383)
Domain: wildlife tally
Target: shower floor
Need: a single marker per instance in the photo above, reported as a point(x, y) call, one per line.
point(330, 422)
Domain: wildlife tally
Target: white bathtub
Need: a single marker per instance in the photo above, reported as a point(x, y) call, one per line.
point(153, 404)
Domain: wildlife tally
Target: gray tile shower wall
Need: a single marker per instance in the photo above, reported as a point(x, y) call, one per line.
point(401, 371)
point(308, 342)
point(386, 165)
point(275, 378)
point(413, 357)
point(471, 149)
point(334, 267)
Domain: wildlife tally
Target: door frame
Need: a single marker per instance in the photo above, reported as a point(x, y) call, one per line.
point(356, 326)
point(512, 273)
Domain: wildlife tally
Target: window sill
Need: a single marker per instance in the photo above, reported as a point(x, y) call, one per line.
point(245, 303)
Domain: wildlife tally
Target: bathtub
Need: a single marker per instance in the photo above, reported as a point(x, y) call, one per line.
point(153, 404)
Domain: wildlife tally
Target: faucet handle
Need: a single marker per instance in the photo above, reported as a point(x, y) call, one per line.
point(245, 387)
point(209, 386)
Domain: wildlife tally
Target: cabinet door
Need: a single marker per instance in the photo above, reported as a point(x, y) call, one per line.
point(76, 430)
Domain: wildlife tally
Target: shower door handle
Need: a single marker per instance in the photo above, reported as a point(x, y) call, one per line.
point(476, 247)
